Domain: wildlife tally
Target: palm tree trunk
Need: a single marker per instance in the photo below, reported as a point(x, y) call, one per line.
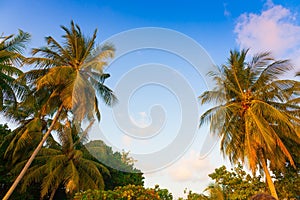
point(36, 151)
point(268, 176)
point(52, 194)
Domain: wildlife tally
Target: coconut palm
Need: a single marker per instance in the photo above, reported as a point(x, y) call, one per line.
point(215, 192)
point(64, 165)
point(73, 73)
point(11, 49)
point(255, 111)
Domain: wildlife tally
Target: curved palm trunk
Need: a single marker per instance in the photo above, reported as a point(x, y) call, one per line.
point(36, 151)
point(268, 177)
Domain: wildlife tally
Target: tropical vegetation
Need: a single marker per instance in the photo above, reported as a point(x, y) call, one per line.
point(254, 110)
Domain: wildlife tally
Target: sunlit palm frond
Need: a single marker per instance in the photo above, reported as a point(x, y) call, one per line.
point(17, 43)
point(215, 192)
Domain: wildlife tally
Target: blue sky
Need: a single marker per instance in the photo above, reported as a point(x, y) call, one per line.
point(210, 23)
point(216, 25)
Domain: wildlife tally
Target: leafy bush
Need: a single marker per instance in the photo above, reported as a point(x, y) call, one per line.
point(164, 194)
point(129, 192)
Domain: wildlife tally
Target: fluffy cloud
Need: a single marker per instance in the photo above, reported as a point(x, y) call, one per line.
point(274, 29)
point(126, 140)
point(140, 120)
point(190, 168)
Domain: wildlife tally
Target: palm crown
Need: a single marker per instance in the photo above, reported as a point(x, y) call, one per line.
point(65, 164)
point(73, 72)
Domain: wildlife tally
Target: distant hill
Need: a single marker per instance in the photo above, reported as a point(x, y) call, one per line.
point(120, 165)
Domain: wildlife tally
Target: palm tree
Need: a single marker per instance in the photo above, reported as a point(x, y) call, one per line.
point(255, 111)
point(11, 49)
point(64, 165)
point(215, 192)
point(73, 73)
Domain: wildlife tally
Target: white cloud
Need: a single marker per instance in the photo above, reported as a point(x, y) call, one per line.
point(141, 120)
point(142, 126)
point(190, 168)
point(227, 13)
point(274, 29)
point(126, 140)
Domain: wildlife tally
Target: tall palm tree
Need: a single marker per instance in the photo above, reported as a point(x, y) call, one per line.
point(255, 111)
point(73, 73)
point(64, 165)
point(11, 49)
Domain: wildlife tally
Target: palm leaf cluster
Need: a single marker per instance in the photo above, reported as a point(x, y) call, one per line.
point(64, 165)
point(11, 49)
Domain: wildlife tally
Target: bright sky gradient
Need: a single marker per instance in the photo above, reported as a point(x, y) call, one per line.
point(217, 25)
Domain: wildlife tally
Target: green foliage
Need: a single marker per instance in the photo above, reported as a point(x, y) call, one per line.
point(287, 183)
point(105, 154)
point(120, 178)
point(6, 177)
point(288, 180)
point(195, 196)
point(163, 194)
point(4, 132)
point(237, 184)
point(95, 195)
point(136, 192)
point(230, 185)
point(121, 167)
point(129, 192)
